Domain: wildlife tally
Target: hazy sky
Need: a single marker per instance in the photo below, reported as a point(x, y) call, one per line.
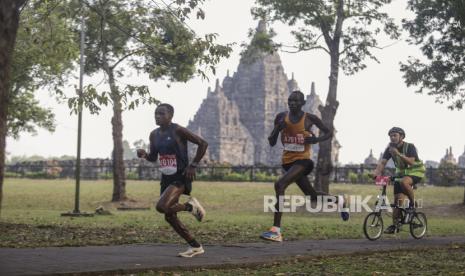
point(371, 101)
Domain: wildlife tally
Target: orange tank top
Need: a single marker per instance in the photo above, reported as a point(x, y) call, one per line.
point(292, 138)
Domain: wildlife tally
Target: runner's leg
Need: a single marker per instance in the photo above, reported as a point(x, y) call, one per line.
point(294, 173)
point(169, 205)
point(307, 188)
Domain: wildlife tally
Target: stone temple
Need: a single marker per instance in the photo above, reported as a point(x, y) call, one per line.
point(238, 114)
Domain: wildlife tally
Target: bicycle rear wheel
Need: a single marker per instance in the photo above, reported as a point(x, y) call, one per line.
point(418, 225)
point(373, 226)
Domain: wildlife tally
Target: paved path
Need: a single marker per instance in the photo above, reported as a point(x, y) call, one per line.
point(140, 257)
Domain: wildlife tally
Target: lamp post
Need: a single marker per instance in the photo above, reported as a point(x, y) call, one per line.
point(76, 212)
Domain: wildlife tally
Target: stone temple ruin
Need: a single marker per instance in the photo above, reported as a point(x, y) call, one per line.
point(238, 115)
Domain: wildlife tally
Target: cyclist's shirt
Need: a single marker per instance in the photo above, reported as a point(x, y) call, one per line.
point(411, 152)
point(402, 168)
point(292, 138)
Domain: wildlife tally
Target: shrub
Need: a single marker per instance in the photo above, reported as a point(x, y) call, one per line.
point(234, 176)
point(353, 177)
point(265, 177)
point(448, 174)
point(37, 175)
point(105, 175)
point(366, 177)
point(12, 174)
point(132, 176)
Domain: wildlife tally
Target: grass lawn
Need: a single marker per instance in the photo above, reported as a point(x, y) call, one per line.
point(31, 214)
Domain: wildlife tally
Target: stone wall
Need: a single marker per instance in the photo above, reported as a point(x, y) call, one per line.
point(90, 169)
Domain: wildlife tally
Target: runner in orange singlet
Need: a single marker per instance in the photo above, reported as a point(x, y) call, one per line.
point(296, 137)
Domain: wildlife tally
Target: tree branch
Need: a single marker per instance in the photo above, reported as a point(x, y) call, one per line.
point(346, 49)
point(124, 57)
point(324, 30)
point(374, 47)
point(306, 49)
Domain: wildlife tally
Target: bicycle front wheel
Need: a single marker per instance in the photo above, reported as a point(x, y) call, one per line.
point(373, 226)
point(418, 225)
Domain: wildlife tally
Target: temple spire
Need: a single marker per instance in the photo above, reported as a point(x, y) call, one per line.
point(312, 89)
point(261, 28)
point(217, 86)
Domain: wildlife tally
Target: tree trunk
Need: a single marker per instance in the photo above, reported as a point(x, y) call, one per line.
point(328, 112)
point(9, 22)
point(463, 197)
point(119, 173)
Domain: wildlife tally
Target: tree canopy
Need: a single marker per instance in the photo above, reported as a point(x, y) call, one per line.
point(438, 28)
point(44, 57)
point(148, 38)
point(346, 28)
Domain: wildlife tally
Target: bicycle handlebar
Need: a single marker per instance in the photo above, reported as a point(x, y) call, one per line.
point(381, 180)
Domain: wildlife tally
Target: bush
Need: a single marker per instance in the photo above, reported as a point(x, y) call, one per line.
point(106, 175)
point(203, 176)
point(449, 174)
point(265, 177)
point(366, 177)
point(353, 177)
point(37, 175)
point(12, 174)
point(234, 176)
point(132, 176)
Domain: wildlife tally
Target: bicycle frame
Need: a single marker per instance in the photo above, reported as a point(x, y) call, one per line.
point(382, 199)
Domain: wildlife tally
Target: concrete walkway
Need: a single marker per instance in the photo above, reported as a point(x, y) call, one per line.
point(142, 257)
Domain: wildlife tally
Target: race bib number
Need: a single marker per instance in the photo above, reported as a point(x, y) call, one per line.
point(294, 147)
point(294, 143)
point(168, 164)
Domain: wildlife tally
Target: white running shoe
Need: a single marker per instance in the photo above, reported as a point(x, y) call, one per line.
point(197, 210)
point(191, 252)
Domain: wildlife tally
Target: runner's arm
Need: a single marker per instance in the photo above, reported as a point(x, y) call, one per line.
point(193, 138)
point(279, 124)
point(327, 133)
point(152, 156)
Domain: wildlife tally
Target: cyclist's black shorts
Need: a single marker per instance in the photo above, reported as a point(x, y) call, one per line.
point(398, 188)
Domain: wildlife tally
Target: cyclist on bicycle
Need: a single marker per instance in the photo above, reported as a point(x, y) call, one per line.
point(409, 171)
